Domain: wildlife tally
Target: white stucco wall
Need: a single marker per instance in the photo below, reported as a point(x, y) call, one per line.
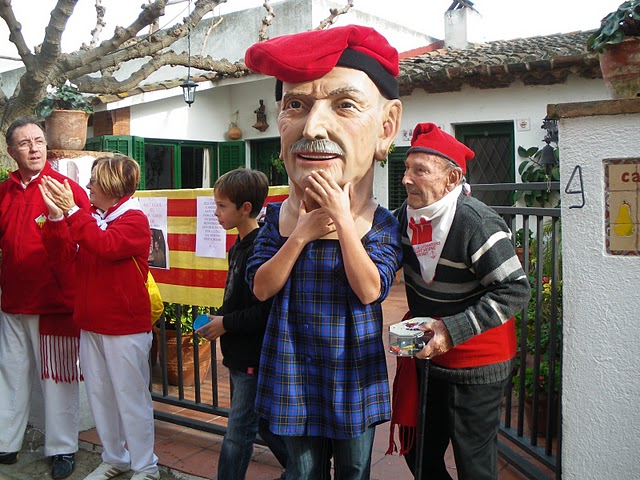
point(601, 393)
point(164, 115)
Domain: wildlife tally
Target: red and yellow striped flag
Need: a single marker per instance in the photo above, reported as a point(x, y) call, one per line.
point(193, 280)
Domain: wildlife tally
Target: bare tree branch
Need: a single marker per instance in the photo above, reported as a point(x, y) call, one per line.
point(15, 30)
point(211, 28)
point(105, 85)
point(95, 33)
point(47, 65)
point(335, 13)
point(266, 21)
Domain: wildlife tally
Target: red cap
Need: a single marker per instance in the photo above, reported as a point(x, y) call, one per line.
point(428, 138)
point(305, 56)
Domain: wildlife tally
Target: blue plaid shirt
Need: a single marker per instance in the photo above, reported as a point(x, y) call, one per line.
point(322, 369)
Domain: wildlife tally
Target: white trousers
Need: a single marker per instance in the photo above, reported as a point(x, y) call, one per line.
point(116, 375)
point(19, 365)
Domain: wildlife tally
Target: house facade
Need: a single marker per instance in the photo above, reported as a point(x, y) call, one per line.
point(492, 96)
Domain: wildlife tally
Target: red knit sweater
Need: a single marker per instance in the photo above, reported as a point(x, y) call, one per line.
point(32, 281)
point(111, 297)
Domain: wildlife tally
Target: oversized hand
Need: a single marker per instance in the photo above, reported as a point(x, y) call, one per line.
point(335, 200)
point(54, 211)
point(59, 193)
point(312, 225)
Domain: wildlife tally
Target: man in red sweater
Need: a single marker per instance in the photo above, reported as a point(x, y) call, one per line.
point(37, 334)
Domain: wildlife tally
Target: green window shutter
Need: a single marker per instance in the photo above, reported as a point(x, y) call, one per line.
point(231, 156)
point(118, 144)
point(138, 155)
point(93, 144)
point(123, 144)
point(395, 164)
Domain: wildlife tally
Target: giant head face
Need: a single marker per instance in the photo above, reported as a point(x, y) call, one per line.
point(337, 101)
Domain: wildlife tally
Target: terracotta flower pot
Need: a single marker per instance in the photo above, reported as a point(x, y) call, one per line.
point(620, 65)
point(188, 367)
point(66, 129)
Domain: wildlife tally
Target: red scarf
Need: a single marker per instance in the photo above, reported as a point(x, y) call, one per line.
point(59, 348)
point(404, 412)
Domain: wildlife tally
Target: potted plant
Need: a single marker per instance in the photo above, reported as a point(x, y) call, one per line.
point(66, 112)
point(180, 318)
point(519, 241)
point(618, 43)
point(531, 170)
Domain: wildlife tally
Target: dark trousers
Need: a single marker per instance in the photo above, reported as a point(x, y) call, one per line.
point(469, 417)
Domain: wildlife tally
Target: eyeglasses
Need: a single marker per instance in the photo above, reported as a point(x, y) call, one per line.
point(27, 144)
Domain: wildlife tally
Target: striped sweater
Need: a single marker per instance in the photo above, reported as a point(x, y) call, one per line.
point(478, 286)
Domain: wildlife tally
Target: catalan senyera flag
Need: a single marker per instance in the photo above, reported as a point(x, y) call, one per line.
point(193, 280)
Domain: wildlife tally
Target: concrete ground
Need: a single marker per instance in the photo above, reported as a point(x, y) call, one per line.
point(33, 465)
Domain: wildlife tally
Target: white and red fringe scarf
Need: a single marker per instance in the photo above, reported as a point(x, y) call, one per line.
point(59, 348)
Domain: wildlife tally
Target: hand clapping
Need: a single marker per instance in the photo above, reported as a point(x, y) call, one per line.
point(57, 196)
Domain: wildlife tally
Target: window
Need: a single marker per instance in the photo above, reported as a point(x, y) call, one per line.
point(265, 156)
point(167, 164)
point(159, 161)
point(494, 160)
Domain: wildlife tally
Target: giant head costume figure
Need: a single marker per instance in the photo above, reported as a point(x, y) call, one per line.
point(338, 109)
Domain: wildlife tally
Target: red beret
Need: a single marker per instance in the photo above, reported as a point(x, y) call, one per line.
point(305, 56)
point(428, 138)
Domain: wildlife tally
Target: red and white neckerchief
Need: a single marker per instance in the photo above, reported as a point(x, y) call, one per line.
point(428, 228)
point(104, 218)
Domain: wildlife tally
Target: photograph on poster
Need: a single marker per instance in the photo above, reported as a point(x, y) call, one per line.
point(157, 249)
point(156, 210)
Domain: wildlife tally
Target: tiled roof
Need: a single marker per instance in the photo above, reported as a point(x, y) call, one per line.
point(543, 60)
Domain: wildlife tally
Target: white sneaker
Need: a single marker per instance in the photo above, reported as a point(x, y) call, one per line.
point(106, 471)
point(146, 476)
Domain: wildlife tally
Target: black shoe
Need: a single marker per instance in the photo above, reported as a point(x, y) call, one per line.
point(7, 458)
point(63, 465)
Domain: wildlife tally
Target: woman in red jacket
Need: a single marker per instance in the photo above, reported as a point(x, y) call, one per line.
point(112, 308)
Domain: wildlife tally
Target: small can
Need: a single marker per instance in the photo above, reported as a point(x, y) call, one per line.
point(406, 339)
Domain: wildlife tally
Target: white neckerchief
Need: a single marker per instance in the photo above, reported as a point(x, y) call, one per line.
point(428, 228)
point(131, 204)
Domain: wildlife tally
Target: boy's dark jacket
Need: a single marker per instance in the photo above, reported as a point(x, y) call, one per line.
point(244, 316)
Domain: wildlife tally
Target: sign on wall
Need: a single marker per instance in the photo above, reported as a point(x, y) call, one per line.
point(622, 199)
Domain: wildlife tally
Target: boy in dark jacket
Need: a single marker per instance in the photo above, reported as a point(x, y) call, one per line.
point(241, 322)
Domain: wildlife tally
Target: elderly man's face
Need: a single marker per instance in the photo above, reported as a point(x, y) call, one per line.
point(428, 178)
point(338, 123)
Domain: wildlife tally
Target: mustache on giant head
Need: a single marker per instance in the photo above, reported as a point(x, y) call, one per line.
point(316, 146)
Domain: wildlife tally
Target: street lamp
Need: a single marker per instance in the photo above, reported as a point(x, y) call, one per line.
point(189, 86)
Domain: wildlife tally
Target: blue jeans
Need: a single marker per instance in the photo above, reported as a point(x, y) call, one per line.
point(242, 427)
point(309, 457)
